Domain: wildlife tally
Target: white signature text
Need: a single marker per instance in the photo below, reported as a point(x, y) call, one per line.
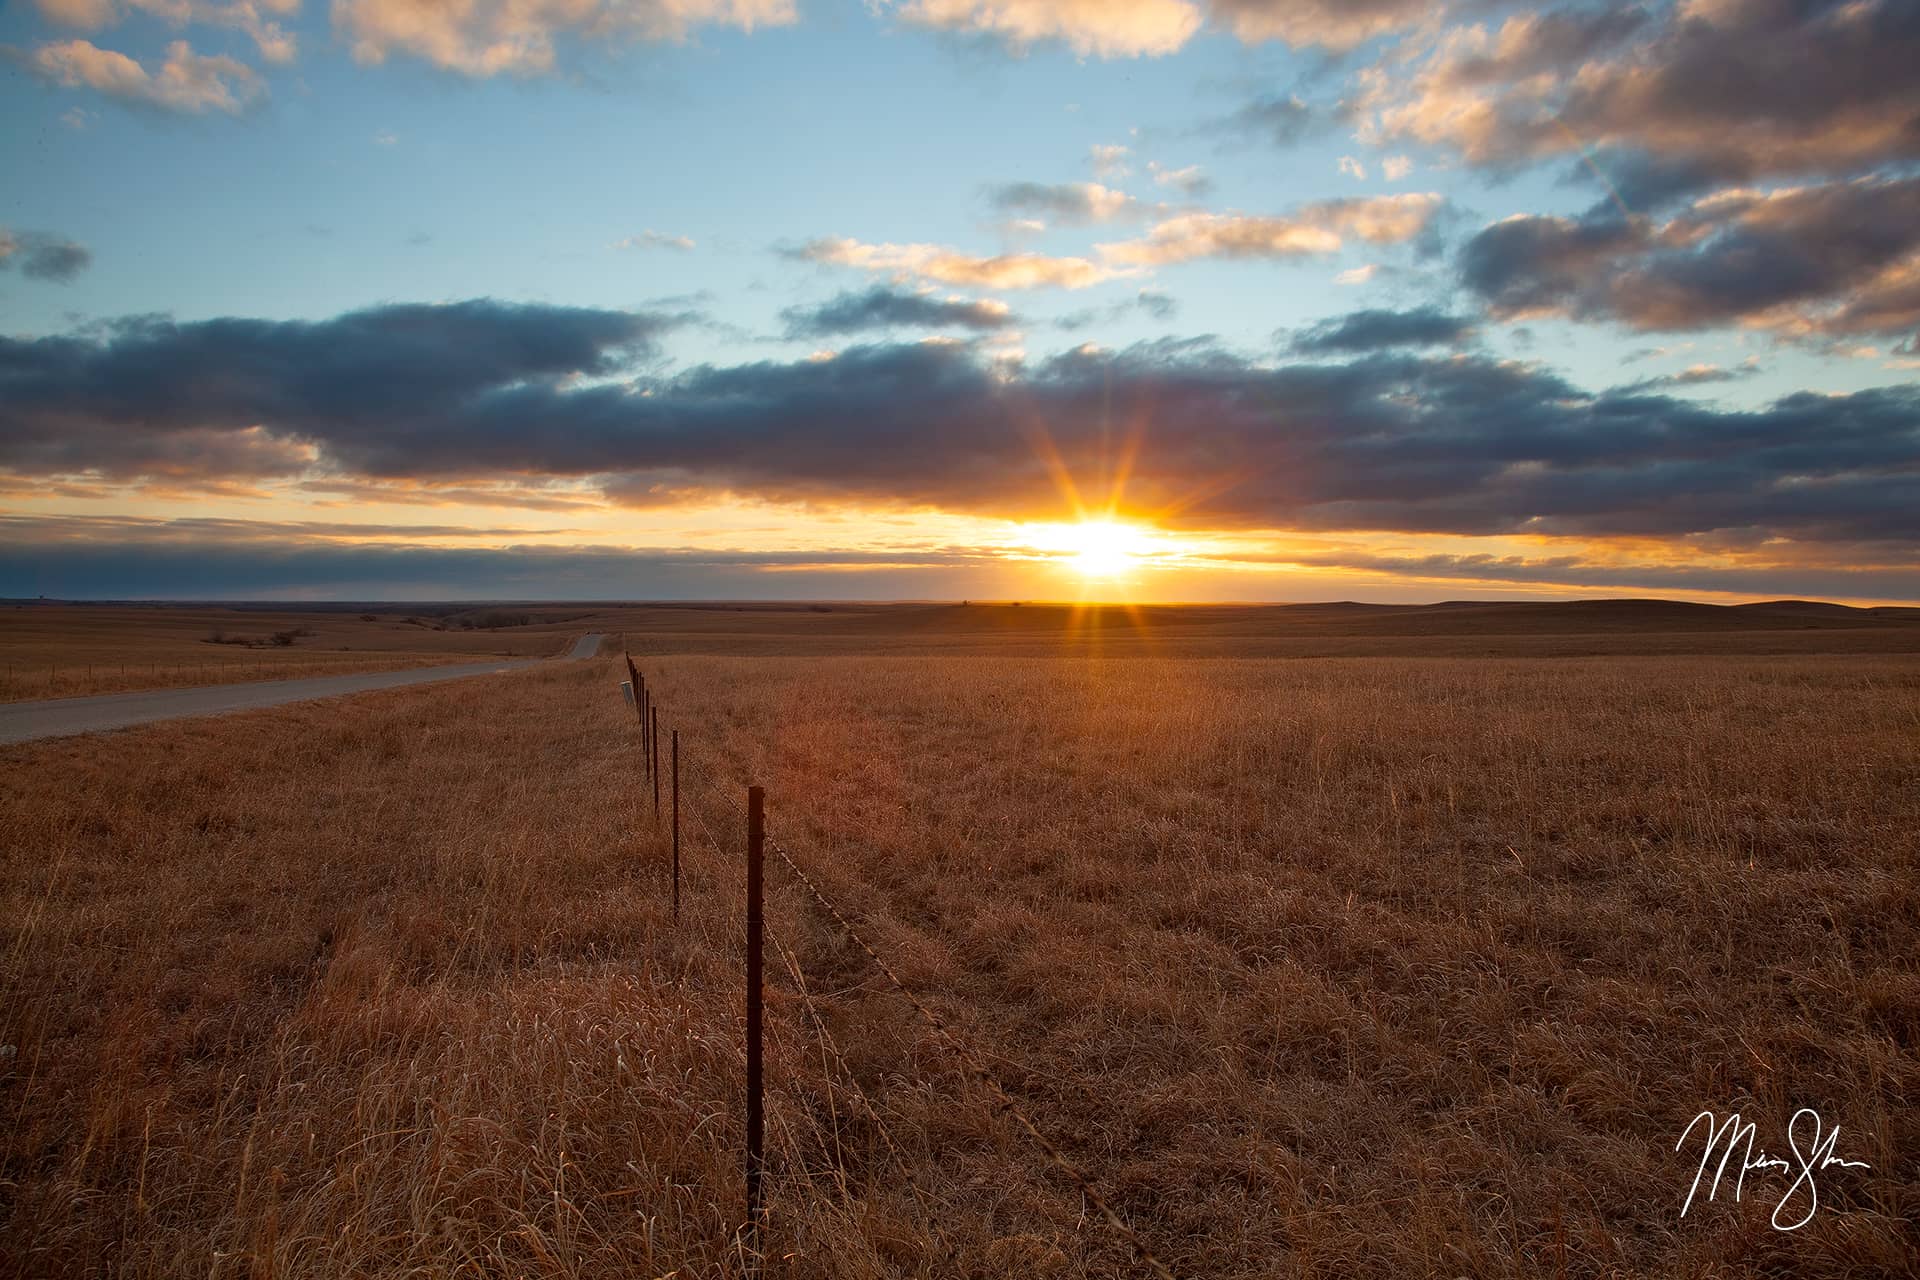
point(1733, 1137)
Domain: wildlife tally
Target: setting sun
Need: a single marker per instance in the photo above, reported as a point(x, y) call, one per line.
point(1103, 548)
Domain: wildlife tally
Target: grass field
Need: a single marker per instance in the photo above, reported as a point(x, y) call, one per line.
point(1393, 965)
point(62, 650)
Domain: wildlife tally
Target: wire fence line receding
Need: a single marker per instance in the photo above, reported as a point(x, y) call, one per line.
point(970, 1062)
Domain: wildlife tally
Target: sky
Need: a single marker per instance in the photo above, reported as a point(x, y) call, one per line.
point(941, 299)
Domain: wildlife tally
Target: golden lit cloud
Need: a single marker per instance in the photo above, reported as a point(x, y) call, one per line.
point(491, 37)
point(186, 82)
point(1335, 24)
point(949, 266)
point(1315, 229)
point(1098, 28)
point(273, 41)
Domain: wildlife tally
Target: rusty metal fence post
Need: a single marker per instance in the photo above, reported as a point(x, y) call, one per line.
point(676, 826)
point(756, 841)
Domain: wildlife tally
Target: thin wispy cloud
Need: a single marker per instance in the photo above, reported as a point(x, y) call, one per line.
point(655, 240)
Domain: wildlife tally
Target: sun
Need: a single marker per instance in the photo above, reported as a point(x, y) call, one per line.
point(1103, 548)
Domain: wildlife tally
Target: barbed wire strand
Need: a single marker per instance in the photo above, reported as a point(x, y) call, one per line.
point(980, 1073)
point(930, 1204)
point(966, 1057)
point(961, 1051)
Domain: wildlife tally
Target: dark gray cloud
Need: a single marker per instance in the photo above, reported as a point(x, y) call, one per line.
point(1154, 305)
point(1461, 444)
point(1160, 306)
point(1890, 581)
point(1377, 330)
point(41, 255)
point(249, 398)
point(74, 558)
point(1671, 99)
point(1832, 259)
point(883, 307)
point(1277, 120)
point(1697, 375)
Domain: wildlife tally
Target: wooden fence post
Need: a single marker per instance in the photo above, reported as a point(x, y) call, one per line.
point(653, 731)
point(756, 839)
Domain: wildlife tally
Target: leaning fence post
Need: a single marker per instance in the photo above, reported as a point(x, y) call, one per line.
point(676, 826)
point(756, 839)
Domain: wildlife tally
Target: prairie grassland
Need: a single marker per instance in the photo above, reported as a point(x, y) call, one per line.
point(66, 650)
point(1379, 967)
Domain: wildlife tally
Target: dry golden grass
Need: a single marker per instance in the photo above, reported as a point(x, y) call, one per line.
point(62, 650)
point(67, 650)
point(1382, 967)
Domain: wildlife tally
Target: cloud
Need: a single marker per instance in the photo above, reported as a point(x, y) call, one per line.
point(1091, 28)
point(1394, 168)
point(1704, 92)
point(185, 83)
point(493, 37)
point(655, 240)
point(1160, 306)
point(1757, 577)
point(269, 37)
point(1820, 261)
point(148, 397)
point(1358, 275)
point(1109, 160)
point(1154, 305)
point(882, 308)
point(1276, 120)
point(1191, 181)
point(1313, 229)
point(1153, 28)
point(85, 15)
point(1378, 330)
point(1335, 24)
point(1352, 168)
point(1388, 441)
point(43, 256)
point(949, 266)
point(119, 558)
point(1072, 203)
point(1695, 375)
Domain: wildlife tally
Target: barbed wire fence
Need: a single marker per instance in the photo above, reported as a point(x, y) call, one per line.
point(834, 1062)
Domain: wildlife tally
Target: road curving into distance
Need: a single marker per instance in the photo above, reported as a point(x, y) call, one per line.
point(64, 717)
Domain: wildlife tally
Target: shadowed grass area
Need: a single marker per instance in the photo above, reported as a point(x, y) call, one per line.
point(73, 650)
point(1337, 967)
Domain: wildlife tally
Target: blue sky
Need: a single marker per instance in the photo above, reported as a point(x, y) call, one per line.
point(337, 160)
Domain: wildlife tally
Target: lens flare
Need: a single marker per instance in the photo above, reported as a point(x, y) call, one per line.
point(1103, 548)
